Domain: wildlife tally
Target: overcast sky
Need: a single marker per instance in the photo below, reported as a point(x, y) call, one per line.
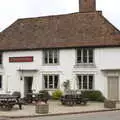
point(10, 10)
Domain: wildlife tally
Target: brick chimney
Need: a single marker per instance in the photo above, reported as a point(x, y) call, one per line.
point(87, 5)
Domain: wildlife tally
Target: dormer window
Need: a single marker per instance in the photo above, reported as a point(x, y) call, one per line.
point(84, 55)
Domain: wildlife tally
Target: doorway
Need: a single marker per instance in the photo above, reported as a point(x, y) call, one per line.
point(113, 88)
point(28, 81)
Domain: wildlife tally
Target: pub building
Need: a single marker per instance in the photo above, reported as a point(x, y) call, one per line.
point(41, 53)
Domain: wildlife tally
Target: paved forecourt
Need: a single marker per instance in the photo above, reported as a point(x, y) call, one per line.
point(55, 108)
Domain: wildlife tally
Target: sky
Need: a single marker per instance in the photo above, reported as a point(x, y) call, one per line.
point(11, 10)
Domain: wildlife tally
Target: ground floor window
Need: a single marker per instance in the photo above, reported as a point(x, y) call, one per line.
point(85, 82)
point(51, 81)
point(0, 81)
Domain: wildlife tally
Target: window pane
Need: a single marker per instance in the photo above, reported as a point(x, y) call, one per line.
point(90, 55)
point(50, 81)
point(50, 56)
point(84, 82)
point(46, 81)
point(55, 56)
point(0, 81)
point(90, 59)
point(91, 82)
point(0, 58)
point(79, 52)
point(84, 55)
point(55, 60)
point(45, 57)
point(79, 60)
point(56, 81)
point(79, 82)
point(79, 56)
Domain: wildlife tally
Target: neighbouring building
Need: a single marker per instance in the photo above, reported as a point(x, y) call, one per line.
point(41, 53)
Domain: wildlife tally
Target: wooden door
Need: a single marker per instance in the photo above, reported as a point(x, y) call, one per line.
point(113, 88)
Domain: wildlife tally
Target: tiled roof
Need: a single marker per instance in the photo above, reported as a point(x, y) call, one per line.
point(62, 31)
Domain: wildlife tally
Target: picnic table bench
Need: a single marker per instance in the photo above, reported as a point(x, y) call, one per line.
point(72, 98)
point(8, 101)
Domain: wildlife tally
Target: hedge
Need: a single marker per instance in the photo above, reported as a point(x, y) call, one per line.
point(94, 95)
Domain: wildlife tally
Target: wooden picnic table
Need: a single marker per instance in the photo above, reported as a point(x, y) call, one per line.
point(8, 101)
point(73, 97)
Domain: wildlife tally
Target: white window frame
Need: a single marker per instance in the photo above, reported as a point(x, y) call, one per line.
point(82, 56)
point(53, 84)
point(87, 81)
point(53, 56)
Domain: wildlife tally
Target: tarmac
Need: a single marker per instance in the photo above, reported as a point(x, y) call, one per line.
point(56, 108)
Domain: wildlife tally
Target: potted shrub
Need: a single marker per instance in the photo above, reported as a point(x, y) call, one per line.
point(42, 106)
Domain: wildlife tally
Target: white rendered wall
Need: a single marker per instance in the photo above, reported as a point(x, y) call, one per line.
point(108, 58)
point(12, 75)
point(104, 58)
point(107, 61)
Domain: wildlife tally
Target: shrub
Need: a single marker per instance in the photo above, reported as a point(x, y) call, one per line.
point(57, 94)
point(43, 94)
point(93, 95)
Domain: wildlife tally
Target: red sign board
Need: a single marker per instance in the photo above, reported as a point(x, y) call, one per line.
point(21, 59)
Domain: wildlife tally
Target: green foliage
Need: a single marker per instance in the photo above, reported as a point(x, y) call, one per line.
point(93, 95)
point(57, 94)
point(44, 94)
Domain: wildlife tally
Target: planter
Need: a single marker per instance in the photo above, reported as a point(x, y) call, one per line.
point(109, 104)
point(42, 108)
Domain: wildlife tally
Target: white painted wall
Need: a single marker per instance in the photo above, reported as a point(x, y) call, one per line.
point(105, 58)
point(12, 73)
point(107, 63)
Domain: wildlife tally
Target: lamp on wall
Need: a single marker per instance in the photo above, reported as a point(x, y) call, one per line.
point(21, 75)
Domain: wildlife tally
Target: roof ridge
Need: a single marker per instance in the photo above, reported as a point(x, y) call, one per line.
point(58, 15)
